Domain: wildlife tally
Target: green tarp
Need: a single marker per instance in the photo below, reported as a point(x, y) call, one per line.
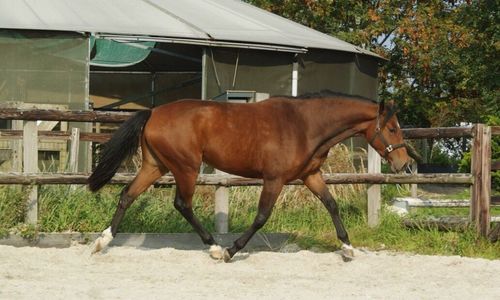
point(109, 53)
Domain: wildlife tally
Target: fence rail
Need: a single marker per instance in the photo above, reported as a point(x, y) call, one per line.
point(479, 178)
point(61, 115)
point(57, 135)
point(230, 180)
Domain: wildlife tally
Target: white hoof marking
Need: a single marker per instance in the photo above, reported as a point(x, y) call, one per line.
point(347, 252)
point(215, 252)
point(347, 247)
point(103, 241)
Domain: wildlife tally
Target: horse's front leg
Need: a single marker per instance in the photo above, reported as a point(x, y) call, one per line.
point(270, 192)
point(317, 185)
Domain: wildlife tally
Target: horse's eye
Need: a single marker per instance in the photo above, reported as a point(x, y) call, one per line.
point(392, 130)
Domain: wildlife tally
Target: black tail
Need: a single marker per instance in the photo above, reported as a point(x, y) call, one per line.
point(123, 144)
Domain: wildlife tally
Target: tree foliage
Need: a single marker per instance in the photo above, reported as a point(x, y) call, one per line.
point(443, 61)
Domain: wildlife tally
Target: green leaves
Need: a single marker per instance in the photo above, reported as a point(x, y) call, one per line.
point(443, 55)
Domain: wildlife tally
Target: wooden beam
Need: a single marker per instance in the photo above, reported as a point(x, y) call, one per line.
point(230, 180)
point(374, 197)
point(74, 149)
point(495, 130)
point(57, 135)
point(30, 165)
point(480, 169)
point(222, 209)
point(484, 205)
point(436, 132)
point(17, 147)
point(414, 186)
point(59, 115)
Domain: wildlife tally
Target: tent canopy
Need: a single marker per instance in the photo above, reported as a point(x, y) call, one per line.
point(230, 23)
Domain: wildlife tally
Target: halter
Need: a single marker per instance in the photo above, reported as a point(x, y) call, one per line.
point(378, 133)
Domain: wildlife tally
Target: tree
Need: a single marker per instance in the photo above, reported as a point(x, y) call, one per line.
point(442, 55)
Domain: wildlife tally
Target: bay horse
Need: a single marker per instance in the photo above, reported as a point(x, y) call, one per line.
point(278, 140)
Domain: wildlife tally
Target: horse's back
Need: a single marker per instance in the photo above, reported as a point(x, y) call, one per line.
point(238, 138)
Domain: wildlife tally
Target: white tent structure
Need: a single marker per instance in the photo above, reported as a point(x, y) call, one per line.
point(170, 49)
point(202, 22)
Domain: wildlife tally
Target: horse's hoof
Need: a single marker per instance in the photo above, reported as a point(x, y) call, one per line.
point(102, 241)
point(97, 247)
point(216, 252)
point(227, 256)
point(347, 253)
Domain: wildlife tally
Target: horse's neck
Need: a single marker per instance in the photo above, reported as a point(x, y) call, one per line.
point(333, 120)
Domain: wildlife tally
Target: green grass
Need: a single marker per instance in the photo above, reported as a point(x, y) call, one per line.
point(297, 212)
point(12, 208)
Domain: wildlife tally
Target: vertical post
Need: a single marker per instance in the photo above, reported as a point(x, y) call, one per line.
point(374, 198)
point(74, 149)
point(484, 207)
point(221, 207)
point(414, 186)
point(30, 165)
point(295, 78)
point(204, 75)
point(474, 169)
point(17, 148)
point(480, 169)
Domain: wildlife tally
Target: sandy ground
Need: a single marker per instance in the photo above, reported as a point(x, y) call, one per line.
point(139, 273)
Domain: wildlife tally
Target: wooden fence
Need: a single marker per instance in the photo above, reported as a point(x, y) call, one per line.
point(479, 179)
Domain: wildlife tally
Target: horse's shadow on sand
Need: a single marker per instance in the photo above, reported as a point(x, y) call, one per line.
point(261, 242)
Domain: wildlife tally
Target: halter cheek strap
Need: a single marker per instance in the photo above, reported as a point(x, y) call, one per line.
point(388, 147)
point(378, 133)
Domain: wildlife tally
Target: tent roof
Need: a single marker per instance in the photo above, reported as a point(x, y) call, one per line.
point(210, 22)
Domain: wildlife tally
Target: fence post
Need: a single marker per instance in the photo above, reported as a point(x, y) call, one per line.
point(74, 147)
point(414, 186)
point(221, 207)
point(480, 169)
point(374, 199)
point(17, 148)
point(30, 165)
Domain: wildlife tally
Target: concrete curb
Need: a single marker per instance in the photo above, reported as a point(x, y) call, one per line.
point(181, 241)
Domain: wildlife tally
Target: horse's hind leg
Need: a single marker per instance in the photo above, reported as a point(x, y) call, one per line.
point(317, 185)
point(268, 196)
point(183, 202)
point(147, 175)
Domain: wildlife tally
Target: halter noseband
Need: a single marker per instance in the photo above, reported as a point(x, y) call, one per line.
point(378, 133)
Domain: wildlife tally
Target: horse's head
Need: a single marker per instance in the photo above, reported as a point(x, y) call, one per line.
point(385, 136)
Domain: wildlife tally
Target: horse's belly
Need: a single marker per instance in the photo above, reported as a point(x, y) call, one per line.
point(239, 168)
